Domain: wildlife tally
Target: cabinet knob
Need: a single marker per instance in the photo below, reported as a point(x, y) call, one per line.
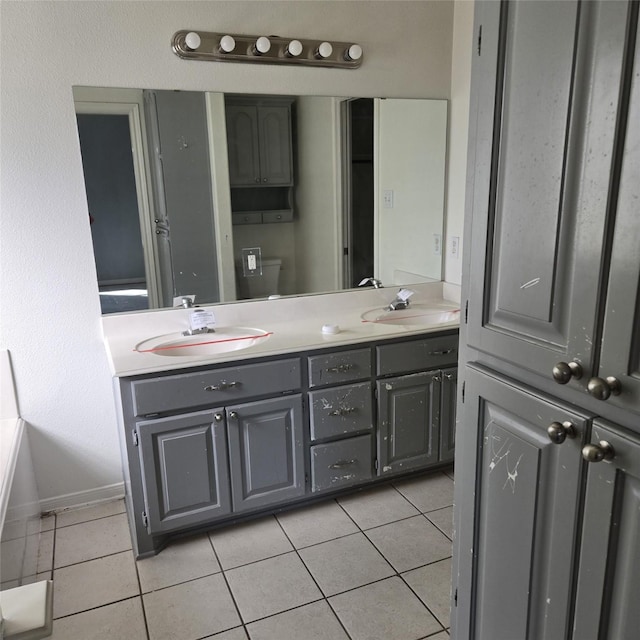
point(218, 417)
point(265, 180)
point(564, 371)
point(448, 376)
point(233, 415)
point(257, 179)
point(437, 379)
point(602, 389)
point(598, 452)
point(558, 433)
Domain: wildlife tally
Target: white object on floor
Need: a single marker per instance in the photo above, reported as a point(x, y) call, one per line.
point(27, 611)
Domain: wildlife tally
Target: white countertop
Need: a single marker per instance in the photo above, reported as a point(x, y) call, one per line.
point(295, 324)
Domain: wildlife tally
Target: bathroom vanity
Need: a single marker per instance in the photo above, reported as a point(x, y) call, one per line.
point(208, 440)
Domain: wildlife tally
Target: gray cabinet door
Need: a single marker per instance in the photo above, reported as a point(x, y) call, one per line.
point(408, 416)
point(448, 397)
point(608, 593)
point(274, 127)
point(546, 80)
point(266, 452)
point(526, 523)
point(184, 470)
point(243, 145)
point(620, 351)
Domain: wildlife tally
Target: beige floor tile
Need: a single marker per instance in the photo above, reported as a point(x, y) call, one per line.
point(94, 583)
point(427, 493)
point(113, 622)
point(182, 560)
point(433, 586)
point(315, 621)
point(318, 523)
point(84, 514)
point(271, 586)
point(410, 543)
point(384, 610)
point(443, 519)
point(377, 506)
point(249, 542)
point(345, 563)
point(191, 610)
point(93, 539)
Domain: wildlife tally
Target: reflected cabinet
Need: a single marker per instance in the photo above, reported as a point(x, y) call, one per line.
point(548, 439)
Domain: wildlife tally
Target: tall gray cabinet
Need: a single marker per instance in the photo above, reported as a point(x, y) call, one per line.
point(548, 439)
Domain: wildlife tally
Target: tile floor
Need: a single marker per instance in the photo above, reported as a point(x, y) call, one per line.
point(373, 565)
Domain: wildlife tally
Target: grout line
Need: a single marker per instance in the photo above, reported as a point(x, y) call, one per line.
point(142, 605)
point(224, 577)
point(324, 597)
point(100, 606)
point(107, 555)
point(435, 617)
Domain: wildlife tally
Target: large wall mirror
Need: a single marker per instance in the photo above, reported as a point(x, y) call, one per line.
point(239, 196)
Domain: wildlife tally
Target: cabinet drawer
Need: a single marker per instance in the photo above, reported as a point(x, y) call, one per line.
point(340, 464)
point(249, 217)
point(340, 411)
point(339, 367)
point(214, 387)
point(429, 353)
point(286, 215)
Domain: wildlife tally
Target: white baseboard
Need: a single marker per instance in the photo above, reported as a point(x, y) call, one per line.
point(83, 498)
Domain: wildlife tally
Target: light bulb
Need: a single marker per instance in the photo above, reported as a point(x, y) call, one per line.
point(354, 52)
point(324, 50)
point(192, 40)
point(227, 44)
point(294, 48)
point(262, 45)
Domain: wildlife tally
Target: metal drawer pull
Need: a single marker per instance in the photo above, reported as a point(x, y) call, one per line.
point(342, 412)
point(341, 368)
point(564, 371)
point(603, 389)
point(558, 433)
point(443, 352)
point(341, 464)
point(598, 452)
point(223, 386)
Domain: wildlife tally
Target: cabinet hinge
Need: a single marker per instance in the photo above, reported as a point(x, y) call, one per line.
point(480, 40)
point(463, 385)
point(466, 312)
point(134, 437)
point(145, 520)
point(375, 464)
point(455, 598)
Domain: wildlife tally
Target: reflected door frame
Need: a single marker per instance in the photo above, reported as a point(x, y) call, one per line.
point(129, 103)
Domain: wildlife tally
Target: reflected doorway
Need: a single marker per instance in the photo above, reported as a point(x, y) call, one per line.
point(107, 161)
point(358, 180)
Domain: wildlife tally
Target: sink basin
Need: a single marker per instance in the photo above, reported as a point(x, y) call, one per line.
point(416, 314)
point(224, 340)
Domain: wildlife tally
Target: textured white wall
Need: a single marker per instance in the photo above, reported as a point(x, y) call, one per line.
point(458, 133)
point(50, 314)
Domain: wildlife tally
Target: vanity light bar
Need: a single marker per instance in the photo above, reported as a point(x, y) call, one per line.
point(227, 47)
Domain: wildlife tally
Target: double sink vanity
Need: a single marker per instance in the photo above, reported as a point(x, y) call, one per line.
point(270, 411)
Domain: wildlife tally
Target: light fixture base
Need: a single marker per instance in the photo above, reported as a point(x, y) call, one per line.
point(245, 50)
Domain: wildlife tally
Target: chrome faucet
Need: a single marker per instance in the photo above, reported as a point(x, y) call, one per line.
point(377, 284)
point(401, 301)
point(187, 303)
